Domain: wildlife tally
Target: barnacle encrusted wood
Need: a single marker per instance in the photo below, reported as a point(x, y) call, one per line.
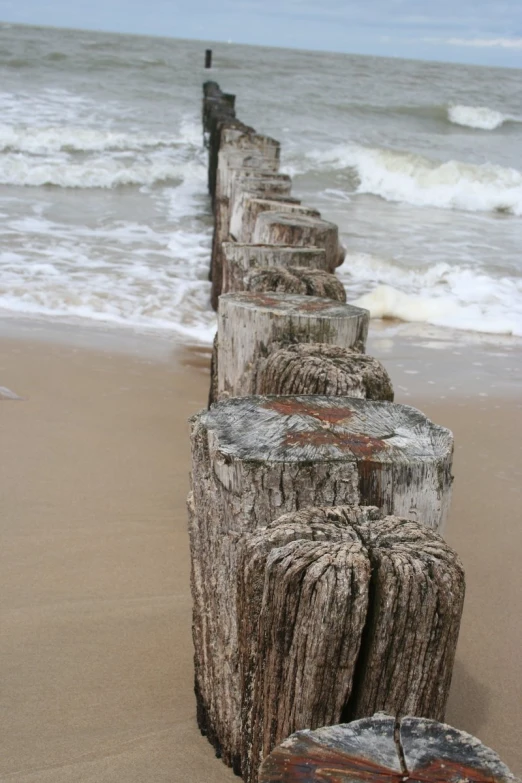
point(255, 458)
point(296, 280)
point(330, 370)
point(247, 207)
point(341, 612)
point(252, 325)
point(384, 749)
point(240, 259)
point(280, 228)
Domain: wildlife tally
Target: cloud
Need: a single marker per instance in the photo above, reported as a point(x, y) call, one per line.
point(504, 43)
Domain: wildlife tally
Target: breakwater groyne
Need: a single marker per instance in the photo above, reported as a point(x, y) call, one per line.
point(323, 590)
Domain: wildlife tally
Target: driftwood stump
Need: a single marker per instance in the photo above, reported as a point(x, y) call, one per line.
point(247, 208)
point(324, 369)
point(280, 228)
point(240, 259)
point(251, 326)
point(342, 612)
point(255, 458)
point(384, 749)
point(296, 280)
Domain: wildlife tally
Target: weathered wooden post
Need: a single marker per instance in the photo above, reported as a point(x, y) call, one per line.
point(238, 150)
point(251, 326)
point(240, 259)
point(262, 185)
point(248, 207)
point(255, 458)
point(280, 228)
point(329, 370)
point(208, 58)
point(296, 280)
point(384, 748)
point(341, 612)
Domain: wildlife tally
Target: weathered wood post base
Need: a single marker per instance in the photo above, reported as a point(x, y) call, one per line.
point(296, 280)
point(342, 612)
point(251, 326)
point(324, 369)
point(384, 748)
point(280, 228)
point(255, 458)
point(240, 259)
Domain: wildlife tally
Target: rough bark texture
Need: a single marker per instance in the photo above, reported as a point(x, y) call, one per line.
point(247, 208)
point(240, 259)
point(296, 280)
point(342, 612)
point(279, 228)
point(251, 326)
point(324, 369)
point(254, 458)
point(385, 749)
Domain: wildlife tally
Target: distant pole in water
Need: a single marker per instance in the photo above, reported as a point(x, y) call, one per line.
point(208, 58)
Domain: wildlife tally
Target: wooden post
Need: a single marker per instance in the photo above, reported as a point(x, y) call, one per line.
point(384, 748)
point(251, 326)
point(238, 150)
point(279, 228)
point(296, 280)
point(240, 259)
point(255, 458)
point(263, 185)
point(341, 612)
point(247, 208)
point(208, 58)
point(329, 370)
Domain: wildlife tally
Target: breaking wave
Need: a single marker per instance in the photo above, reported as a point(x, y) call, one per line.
point(403, 176)
point(478, 117)
point(458, 297)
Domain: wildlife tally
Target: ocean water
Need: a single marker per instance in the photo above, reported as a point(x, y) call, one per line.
point(104, 214)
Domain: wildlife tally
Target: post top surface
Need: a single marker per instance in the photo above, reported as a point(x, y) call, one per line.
point(276, 249)
point(316, 428)
point(288, 304)
point(295, 218)
point(386, 749)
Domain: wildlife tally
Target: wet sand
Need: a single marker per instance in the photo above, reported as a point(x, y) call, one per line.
point(95, 648)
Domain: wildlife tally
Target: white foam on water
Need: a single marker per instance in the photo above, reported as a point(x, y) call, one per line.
point(458, 297)
point(403, 176)
point(479, 117)
point(150, 274)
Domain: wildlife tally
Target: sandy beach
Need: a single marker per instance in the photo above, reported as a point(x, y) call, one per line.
point(95, 649)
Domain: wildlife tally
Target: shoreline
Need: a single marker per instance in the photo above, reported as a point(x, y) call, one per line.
point(423, 361)
point(95, 579)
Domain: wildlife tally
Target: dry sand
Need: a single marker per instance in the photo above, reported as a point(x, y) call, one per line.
point(95, 647)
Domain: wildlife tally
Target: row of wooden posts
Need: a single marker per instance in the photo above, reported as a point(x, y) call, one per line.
point(323, 591)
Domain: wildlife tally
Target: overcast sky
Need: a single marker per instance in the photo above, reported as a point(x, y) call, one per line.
point(475, 31)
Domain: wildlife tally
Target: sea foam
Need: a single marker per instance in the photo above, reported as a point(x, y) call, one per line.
point(459, 297)
point(479, 117)
point(403, 176)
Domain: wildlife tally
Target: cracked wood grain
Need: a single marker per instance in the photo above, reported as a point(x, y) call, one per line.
point(371, 751)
